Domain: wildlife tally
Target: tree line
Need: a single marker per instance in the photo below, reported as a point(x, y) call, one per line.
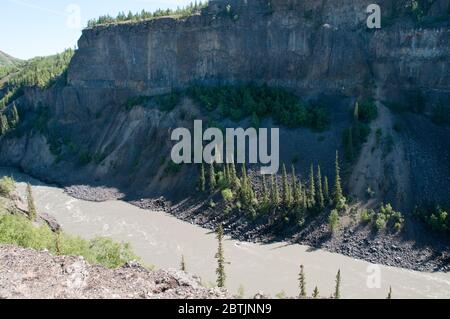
point(192, 8)
point(288, 195)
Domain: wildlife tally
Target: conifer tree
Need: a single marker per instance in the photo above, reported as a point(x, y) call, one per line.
point(326, 190)
point(275, 192)
point(312, 187)
point(286, 188)
point(302, 282)
point(220, 271)
point(233, 176)
point(58, 242)
point(4, 126)
point(338, 196)
point(265, 191)
point(315, 292)
point(183, 264)
point(320, 197)
point(390, 293)
point(296, 195)
point(337, 292)
point(15, 115)
point(212, 178)
point(202, 179)
point(31, 207)
point(356, 112)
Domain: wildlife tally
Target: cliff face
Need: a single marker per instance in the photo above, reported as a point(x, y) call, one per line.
point(318, 48)
point(310, 46)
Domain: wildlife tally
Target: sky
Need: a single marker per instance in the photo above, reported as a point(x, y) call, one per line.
point(30, 28)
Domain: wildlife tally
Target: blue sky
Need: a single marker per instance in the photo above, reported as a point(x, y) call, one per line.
point(30, 28)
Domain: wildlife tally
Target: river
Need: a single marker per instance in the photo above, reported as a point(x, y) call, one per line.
point(160, 239)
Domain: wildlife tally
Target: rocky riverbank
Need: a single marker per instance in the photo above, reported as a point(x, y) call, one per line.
point(27, 273)
point(420, 251)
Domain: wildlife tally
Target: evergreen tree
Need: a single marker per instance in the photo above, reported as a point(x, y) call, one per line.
point(202, 180)
point(31, 207)
point(296, 189)
point(338, 196)
point(212, 178)
point(356, 112)
point(337, 292)
point(220, 271)
point(320, 197)
point(58, 242)
point(183, 264)
point(390, 293)
point(312, 187)
point(233, 176)
point(15, 115)
point(326, 190)
point(4, 126)
point(302, 282)
point(265, 191)
point(315, 292)
point(275, 191)
point(286, 188)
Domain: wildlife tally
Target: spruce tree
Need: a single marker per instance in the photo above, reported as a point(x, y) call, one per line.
point(15, 115)
point(275, 192)
point(302, 282)
point(312, 187)
point(337, 292)
point(326, 190)
point(31, 207)
point(4, 126)
point(390, 293)
point(220, 271)
point(315, 292)
point(202, 179)
point(58, 242)
point(212, 178)
point(356, 112)
point(183, 264)
point(320, 197)
point(233, 176)
point(350, 144)
point(338, 196)
point(265, 192)
point(286, 188)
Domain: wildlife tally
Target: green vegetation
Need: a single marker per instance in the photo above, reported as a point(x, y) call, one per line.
point(183, 264)
point(38, 72)
point(302, 282)
point(333, 221)
point(20, 231)
point(436, 217)
point(6, 186)
point(356, 135)
point(384, 218)
point(287, 201)
point(337, 291)
point(220, 271)
point(315, 293)
point(31, 207)
point(191, 9)
point(239, 102)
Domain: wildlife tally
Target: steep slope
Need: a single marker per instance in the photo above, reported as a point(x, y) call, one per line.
point(322, 52)
point(7, 60)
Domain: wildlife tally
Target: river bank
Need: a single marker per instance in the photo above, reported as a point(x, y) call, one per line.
point(425, 252)
point(161, 239)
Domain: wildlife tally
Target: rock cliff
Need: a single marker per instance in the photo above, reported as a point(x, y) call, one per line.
point(318, 48)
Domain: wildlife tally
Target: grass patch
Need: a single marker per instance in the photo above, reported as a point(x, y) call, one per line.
point(18, 230)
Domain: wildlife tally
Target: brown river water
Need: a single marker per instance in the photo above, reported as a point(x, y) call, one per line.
point(160, 239)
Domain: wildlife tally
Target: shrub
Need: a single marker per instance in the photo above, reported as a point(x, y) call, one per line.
point(333, 220)
point(6, 186)
point(366, 216)
point(227, 195)
point(168, 102)
point(368, 111)
point(20, 231)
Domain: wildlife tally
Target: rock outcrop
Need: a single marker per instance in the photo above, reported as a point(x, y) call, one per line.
point(30, 274)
